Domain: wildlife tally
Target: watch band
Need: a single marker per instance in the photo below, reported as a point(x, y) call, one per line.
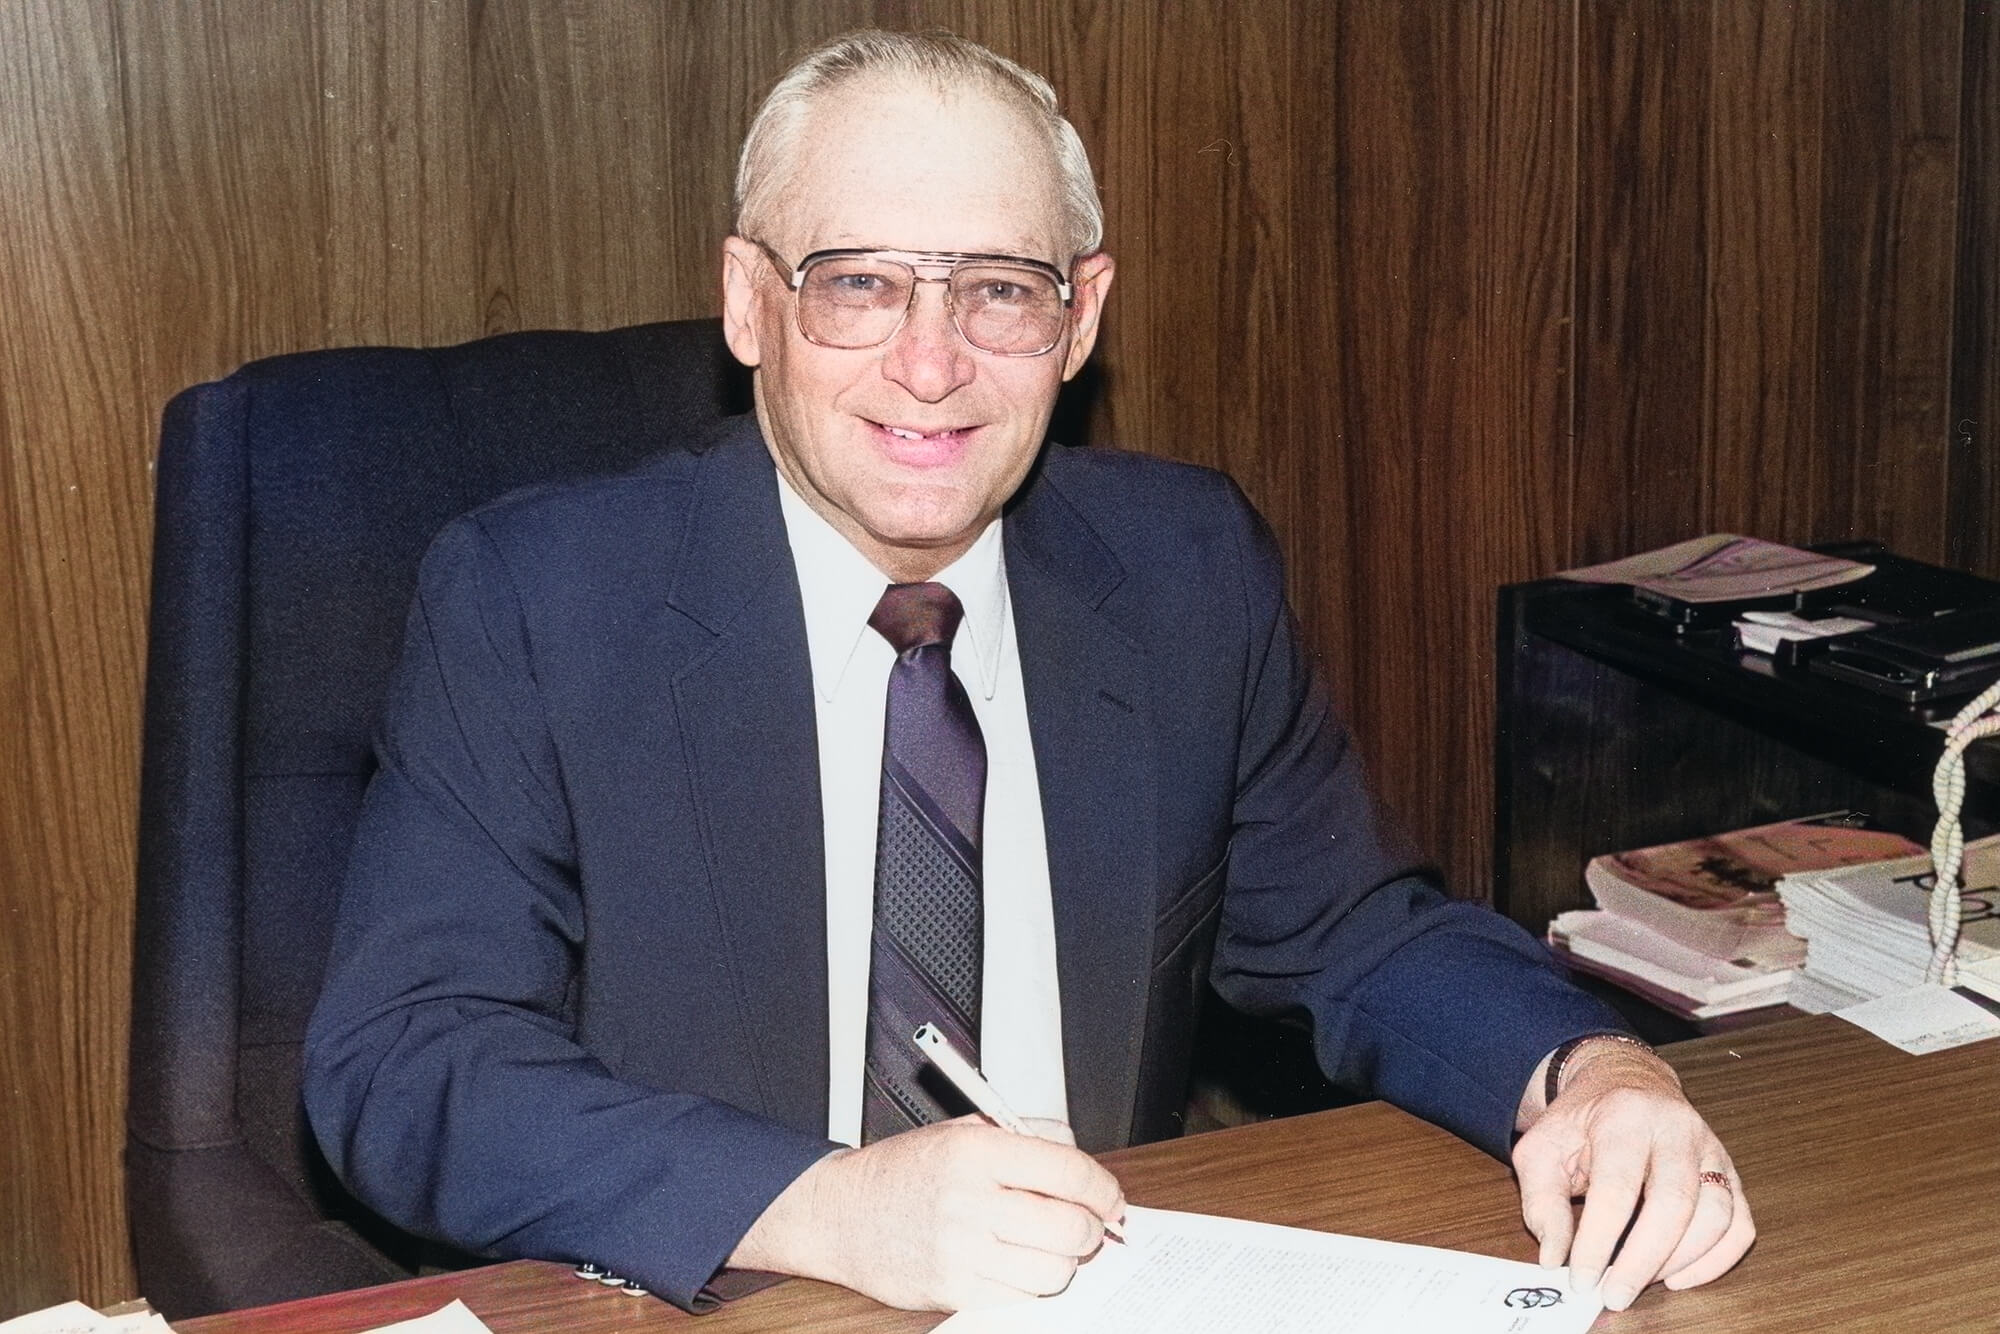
point(1559, 1058)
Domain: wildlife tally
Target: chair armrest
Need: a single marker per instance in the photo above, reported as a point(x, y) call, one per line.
point(213, 1229)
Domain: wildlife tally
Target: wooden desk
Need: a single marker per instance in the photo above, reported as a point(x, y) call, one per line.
point(1873, 1175)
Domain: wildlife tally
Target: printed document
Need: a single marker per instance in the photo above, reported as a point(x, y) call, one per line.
point(1196, 1272)
point(1925, 1019)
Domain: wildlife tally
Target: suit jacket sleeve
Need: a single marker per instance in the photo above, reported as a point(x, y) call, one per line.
point(442, 1076)
point(1440, 1006)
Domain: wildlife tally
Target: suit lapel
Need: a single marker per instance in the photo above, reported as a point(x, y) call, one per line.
point(746, 728)
point(1089, 713)
point(755, 777)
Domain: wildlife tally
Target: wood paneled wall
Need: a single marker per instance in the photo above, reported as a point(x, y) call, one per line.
point(1461, 293)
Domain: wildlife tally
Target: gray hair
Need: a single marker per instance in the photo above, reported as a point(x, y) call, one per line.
point(946, 61)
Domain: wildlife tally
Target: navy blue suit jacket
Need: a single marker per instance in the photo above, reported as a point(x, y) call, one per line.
point(576, 1005)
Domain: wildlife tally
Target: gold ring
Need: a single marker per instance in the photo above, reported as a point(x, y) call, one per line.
point(1717, 1179)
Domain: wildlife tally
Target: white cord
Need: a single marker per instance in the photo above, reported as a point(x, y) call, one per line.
point(1975, 720)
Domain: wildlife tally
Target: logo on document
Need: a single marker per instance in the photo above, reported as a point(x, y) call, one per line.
point(1534, 1298)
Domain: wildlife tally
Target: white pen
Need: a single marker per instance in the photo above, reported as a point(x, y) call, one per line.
point(932, 1042)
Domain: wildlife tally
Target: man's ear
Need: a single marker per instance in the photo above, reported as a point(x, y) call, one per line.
point(741, 300)
point(1093, 284)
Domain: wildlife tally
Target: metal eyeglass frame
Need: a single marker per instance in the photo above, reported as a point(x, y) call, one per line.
point(795, 277)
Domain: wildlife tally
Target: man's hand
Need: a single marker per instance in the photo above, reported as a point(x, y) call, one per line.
point(941, 1218)
point(1620, 1132)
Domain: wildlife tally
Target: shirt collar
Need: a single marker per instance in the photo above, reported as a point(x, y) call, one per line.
point(840, 588)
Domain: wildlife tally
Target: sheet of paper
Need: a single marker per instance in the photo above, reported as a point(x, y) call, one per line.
point(456, 1318)
point(1924, 1019)
point(1195, 1272)
point(1982, 979)
point(69, 1318)
point(138, 1322)
point(1763, 631)
point(76, 1318)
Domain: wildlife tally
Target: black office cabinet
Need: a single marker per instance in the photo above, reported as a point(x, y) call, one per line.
point(1615, 731)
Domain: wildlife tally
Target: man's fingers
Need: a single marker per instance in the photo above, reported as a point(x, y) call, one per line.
point(970, 1291)
point(1716, 1261)
point(1545, 1205)
point(1622, 1132)
point(1671, 1198)
point(1037, 1222)
point(1023, 1162)
point(1607, 1207)
point(1714, 1210)
point(1015, 1272)
point(940, 1217)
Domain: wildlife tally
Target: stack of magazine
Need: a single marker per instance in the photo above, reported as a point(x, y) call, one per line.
point(1866, 928)
point(1697, 927)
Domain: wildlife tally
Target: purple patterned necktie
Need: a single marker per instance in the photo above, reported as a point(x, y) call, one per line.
point(929, 938)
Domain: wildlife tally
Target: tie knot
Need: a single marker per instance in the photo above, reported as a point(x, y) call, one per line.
point(915, 615)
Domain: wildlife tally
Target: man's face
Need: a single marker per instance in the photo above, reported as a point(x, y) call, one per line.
point(910, 448)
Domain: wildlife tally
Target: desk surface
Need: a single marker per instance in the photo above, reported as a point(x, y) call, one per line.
point(1873, 1175)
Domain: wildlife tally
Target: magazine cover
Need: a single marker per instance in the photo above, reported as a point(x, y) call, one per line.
point(1718, 894)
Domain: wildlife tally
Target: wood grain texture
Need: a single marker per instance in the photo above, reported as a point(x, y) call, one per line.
point(1890, 195)
point(1853, 1198)
point(1641, 275)
point(1973, 540)
point(75, 521)
point(1835, 1178)
point(572, 157)
point(1460, 293)
point(1313, 462)
point(400, 263)
point(1762, 232)
point(228, 204)
point(1452, 213)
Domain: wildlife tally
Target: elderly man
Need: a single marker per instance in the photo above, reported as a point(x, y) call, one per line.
point(701, 787)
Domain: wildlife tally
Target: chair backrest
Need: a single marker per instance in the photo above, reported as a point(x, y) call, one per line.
point(295, 499)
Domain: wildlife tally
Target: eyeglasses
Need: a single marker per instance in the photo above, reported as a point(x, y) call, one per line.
point(1002, 304)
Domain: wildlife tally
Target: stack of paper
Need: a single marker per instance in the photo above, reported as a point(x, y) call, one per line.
point(1681, 980)
point(1867, 927)
point(1696, 927)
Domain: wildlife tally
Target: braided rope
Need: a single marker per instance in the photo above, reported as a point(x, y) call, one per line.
point(1974, 721)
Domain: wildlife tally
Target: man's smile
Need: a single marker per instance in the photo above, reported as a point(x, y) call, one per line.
point(919, 446)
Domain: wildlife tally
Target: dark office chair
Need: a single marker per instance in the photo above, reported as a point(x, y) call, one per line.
point(295, 499)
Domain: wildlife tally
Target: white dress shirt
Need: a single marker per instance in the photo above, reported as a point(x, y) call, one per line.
point(1020, 1036)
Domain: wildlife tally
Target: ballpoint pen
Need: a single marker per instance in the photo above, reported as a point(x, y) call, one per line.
point(932, 1042)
